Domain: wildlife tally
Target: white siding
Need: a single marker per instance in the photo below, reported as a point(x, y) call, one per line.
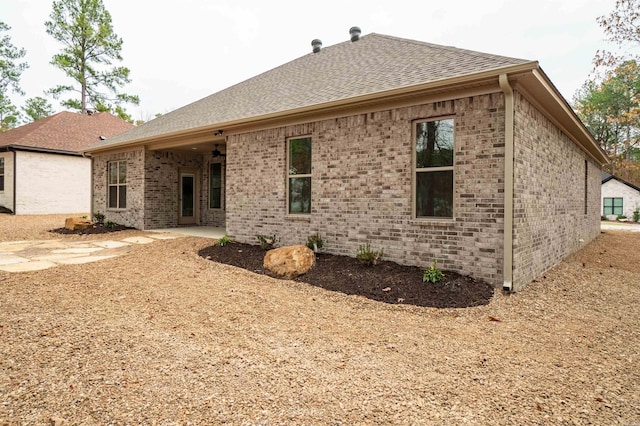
point(6, 196)
point(630, 197)
point(52, 183)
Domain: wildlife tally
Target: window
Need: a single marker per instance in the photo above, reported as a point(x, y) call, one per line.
point(1, 174)
point(612, 206)
point(434, 169)
point(299, 176)
point(215, 186)
point(117, 171)
point(586, 187)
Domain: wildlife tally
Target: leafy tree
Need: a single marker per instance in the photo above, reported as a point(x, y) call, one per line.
point(9, 114)
point(36, 108)
point(621, 27)
point(90, 48)
point(10, 67)
point(611, 111)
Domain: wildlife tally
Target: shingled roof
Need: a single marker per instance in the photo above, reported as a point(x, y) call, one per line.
point(374, 64)
point(64, 131)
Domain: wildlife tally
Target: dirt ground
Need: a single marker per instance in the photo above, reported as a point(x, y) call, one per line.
point(163, 336)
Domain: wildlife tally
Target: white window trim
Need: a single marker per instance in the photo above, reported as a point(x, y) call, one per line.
point(416, 170)
point(109, 185)
point(289, 176)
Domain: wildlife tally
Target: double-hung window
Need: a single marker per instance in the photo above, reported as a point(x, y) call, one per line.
point(117, 183)
point(612, 206)
point(434, 144)
point(1, 174)
point(299, 175)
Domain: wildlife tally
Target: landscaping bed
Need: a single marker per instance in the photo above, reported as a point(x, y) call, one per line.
point(386, 282)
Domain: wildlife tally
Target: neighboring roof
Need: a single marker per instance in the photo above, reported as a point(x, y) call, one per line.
point(64, 131)
point(376, 63)
point(376, 68)
point(606, 177)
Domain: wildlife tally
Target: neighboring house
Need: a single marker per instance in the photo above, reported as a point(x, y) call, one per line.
point(619, 197)
point(42, 168)
point(428, 151)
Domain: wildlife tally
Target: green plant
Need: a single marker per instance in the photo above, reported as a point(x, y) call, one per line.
point(367, 256)
point(432, 273)
point(224, 240)
point(636, 215)
point(267, 242)
point(621, 217)
point(98, 217)
point(314, 242)
point(603, 217)
point(110, 224)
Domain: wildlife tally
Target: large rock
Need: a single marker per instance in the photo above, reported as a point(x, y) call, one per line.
point(290, 261)
point(74, 223)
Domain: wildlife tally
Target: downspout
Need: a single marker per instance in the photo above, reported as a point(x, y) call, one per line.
point(15, 173)
point(507, 263)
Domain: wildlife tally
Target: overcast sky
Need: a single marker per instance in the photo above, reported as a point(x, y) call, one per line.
point(181, 51)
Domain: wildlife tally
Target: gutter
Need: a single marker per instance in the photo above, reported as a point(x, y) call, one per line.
point(507, 263)
point(15, 189)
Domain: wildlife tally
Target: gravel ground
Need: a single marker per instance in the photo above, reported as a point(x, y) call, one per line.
point(163, 336)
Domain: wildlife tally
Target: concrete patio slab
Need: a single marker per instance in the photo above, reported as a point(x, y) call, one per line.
point(163, 236)
point(195, 231)
point(15, 246)
point(37, 265)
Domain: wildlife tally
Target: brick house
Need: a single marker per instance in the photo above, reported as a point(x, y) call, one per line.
point(42, 170)
point(427, 151)
point(619, 197)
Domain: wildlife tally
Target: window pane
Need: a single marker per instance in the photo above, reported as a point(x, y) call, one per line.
point(608, 202)
point(215, 185)
point(1, 182)
point(113, 173)
point(434, 144)
point(434, 194)
point(300, 195)
point(123, 172)
point(617, 202)
point(300, 156)
point(113, 197)
point(187, 195)
point(1, 166)
point(123, 197)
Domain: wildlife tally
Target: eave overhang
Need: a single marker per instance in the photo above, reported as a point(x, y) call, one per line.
point(526, 77)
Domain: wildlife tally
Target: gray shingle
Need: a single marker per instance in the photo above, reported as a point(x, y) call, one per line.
point(376, 63)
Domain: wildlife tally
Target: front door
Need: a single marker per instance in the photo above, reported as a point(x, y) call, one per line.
point(188, 214)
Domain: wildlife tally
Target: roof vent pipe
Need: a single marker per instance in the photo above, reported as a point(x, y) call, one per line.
point(316, 44)
point(355, 33)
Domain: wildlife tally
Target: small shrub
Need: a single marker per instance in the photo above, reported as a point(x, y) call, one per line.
point(224, 240)
point(621, 217)
point(110, 224)
point(432, 273)
point(603, 217)
point(367, 256)
point(636, 215)
point(267, 242)
point(314, 242)
point(98, 217)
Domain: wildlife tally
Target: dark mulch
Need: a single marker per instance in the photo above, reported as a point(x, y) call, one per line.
point(386, 282)
point(97, 228)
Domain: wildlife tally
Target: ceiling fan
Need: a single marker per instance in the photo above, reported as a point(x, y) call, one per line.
point(216, 152)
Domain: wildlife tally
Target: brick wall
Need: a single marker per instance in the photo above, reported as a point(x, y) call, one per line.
point(549, 195)
point(630, 198)
point(362, 187)
point(133, 214)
